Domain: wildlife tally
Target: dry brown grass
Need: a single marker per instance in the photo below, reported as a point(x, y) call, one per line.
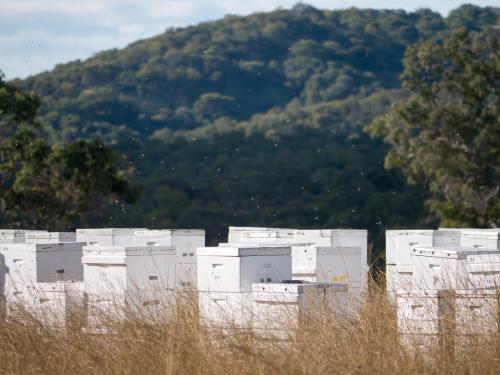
point(177, 343)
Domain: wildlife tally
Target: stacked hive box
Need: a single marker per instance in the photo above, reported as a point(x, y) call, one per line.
point(185, 242)
point(280, 307)
point(481, 239)
point(399, 246)
point(484, 270)
point(43, 267)
point(26, 264)
point(443, 268)
point(226, 275)
point(306, 244)
point(138, 279)
point(346, 242)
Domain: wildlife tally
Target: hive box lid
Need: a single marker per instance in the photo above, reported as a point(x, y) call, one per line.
point(268, 233)
point(449, 252)
point(241, 251)
point(247, 229)
point(168, 232)
point(97, 250)
point(482, 234)
point(8, 233)
point(295, 287)
point(488, 258)
point(37, 235)
point(409, 232)
point(108, 231)
point(331, 232)
point(37, 247)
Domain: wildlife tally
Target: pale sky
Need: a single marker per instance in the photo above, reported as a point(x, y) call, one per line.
point(37, 34)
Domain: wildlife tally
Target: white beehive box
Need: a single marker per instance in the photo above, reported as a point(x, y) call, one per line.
point(26, 264)
point(442, 268)
point(484, 271)
point(398, 278)
point(226, 309)
point(400, 243)
point(185, 241)
point(52, 304)
point(114, 270)
point(288, 305)
point(107, 236)
point(477, 311)
point(327, 264)
point(13, 235)
point(235, 234)
point(481, 239)
point(49, 237)
point(234, 268)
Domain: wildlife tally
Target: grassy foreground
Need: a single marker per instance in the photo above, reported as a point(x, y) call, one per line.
point(178, 343)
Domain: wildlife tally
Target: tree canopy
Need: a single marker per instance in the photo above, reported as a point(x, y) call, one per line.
point(447, 133)
point(50, 186)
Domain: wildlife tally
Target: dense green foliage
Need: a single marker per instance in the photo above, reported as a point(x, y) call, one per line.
point(448, 131)
point(52, 187)
point(254, 120)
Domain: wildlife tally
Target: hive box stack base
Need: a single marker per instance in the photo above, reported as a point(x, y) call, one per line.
point(53, 304)
point(423, 315)
point(185, 241)
point(135, 279)
point(226, 275)
point(280, 308)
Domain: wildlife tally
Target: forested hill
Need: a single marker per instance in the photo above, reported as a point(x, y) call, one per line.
point(253, 120)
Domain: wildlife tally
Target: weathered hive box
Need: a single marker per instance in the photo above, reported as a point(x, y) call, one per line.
point(185, 242)
point(52, 304)
point(248, 234)
point(289, 305)
point(400, 243)
point(477, 312)
point(327, 264)
point(107, 236)
point(50, 237)
point(13, 235)
point(484, 271)
point(424, 312)
point(26, 264)
point(442, 268)
point(481, 239)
